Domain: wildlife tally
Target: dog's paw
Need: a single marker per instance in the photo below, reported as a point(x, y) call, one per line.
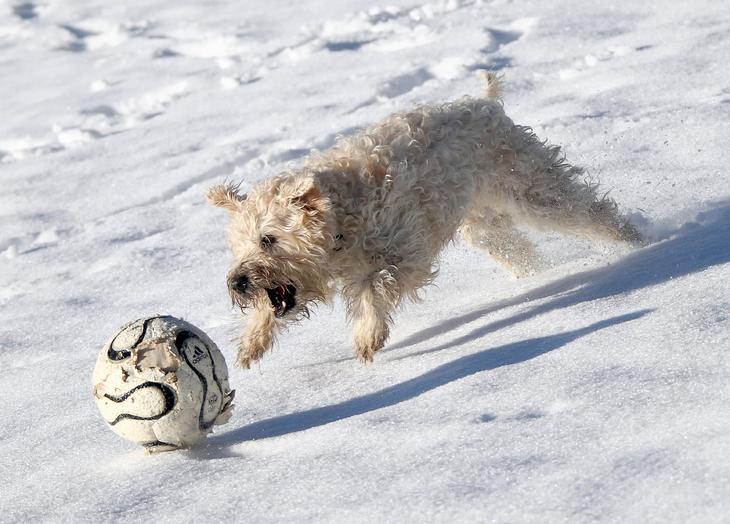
point(243, 360)
point(252, 345)
point(366, 349)
point(365, 355)
point(249, 353)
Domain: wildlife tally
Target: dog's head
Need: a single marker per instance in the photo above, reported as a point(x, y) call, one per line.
point(280, 240)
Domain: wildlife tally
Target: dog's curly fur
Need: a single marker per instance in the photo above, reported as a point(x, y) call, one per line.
point(370, 216)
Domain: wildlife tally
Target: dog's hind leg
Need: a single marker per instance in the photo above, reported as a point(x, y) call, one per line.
point(538, 187)
point(494, 233)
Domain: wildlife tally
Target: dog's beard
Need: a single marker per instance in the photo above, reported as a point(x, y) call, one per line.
point(240, 301)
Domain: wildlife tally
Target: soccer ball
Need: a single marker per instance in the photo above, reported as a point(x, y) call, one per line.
point(161, 382)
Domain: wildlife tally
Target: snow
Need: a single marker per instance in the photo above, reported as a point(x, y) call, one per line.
point(596, 390)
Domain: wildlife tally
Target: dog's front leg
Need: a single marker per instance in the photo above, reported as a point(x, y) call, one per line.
point(370, 304)
point(370, 331)
point(258, 337)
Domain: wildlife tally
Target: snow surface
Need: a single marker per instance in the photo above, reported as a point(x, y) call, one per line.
point(597, 390)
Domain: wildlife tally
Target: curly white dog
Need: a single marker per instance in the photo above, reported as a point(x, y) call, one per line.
point(370, 216)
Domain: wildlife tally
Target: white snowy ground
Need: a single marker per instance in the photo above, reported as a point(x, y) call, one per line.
point(598, 390)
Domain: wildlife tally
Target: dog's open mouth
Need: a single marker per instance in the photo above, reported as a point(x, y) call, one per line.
point(282, 299)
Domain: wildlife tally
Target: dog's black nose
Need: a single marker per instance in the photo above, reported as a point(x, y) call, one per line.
point(239, 283)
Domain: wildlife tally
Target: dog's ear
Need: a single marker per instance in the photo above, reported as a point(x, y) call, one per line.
point(308, 196)
point(226, 196)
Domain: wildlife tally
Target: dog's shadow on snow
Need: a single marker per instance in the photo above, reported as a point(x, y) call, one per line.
point(439, 376)
point(697, 245)
point(694, 247)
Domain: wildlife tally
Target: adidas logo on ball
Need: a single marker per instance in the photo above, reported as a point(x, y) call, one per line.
point(198, 355)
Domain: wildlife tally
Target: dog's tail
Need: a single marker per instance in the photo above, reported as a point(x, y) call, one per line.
point(493, 89)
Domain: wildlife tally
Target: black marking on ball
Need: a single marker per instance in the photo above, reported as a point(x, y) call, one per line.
point(180, 340)
point(124, 354)
point(167, 393)
point(158, 443)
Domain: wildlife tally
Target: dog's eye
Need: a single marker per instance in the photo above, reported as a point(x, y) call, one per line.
point(267, 241)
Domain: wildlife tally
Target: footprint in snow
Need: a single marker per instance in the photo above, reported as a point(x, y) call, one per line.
point(337, 46)
point(93, 34)
point(95, 122)
point(497, 38)
point(396, 87)
point(14, 149)
point(404, 83)
point(376, 29)
point(529, 414)
point(487, 417)
point(30, 242)
point(25, 11)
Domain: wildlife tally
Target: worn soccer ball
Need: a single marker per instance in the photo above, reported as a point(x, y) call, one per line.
point(161, 382)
